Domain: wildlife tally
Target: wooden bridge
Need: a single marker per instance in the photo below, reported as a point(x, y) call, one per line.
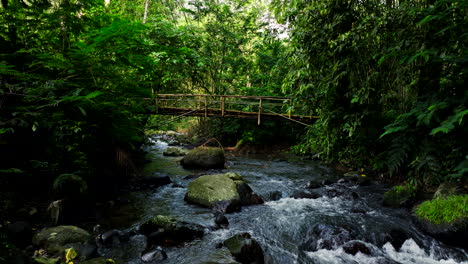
point(234, 106)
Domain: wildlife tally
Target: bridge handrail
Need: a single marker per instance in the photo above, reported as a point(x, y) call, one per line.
point(281, 98)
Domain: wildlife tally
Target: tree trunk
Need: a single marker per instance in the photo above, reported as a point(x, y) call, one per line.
point(145, 15)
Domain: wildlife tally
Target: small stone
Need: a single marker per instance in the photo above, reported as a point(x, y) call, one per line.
point(353, 247)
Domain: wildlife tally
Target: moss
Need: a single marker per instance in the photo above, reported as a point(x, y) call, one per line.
point(453, 209)
point(400, 195)
point(209, 189)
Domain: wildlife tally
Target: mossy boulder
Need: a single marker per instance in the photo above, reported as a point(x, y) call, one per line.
point(447, 189)
point(245, 249)
point(400, 196)
point(56, 239)
point(228, 190)
point(204, 158)
point(174, 152)
point(445, 219)
point(167, 231)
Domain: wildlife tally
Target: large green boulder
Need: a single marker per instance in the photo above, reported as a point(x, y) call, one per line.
point(204, 158)
point(400, 196)
point(226, 190)
point(56, 239)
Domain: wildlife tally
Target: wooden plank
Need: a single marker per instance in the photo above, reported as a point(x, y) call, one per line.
point(231, 113)
point(227, 96)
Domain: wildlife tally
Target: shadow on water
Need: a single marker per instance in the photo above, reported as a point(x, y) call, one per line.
point(320, 231)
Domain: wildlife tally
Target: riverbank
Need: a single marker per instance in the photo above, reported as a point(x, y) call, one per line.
point(312, 214)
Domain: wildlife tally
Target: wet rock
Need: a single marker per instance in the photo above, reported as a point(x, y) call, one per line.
point(174, 152)
point(154, 256)
point(127, 252)
point(20, 233)
point(315, 184)
point(447, 189)
point(333, 192)
point(341, 181)
point(156, 180)
point(396, 237)
point(353, 247)
point(358, 211)
point(221, 190)
point(327, 237)
point(246, 194)
point(355, 195)
point(56, 239)
point(226, 207)
point(245, 249)
point(109, 238)
point(453, 234)
point(167, 231)
point(306, 195)
point(221, 220)
point(204, 158)
point(399, 196)
point(274, 196)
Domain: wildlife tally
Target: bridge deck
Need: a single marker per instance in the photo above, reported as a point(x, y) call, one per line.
point(232, 106)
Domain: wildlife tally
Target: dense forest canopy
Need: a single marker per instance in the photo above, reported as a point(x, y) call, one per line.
point(387, 79)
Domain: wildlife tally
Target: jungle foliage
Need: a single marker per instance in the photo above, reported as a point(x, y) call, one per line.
point(388, 80)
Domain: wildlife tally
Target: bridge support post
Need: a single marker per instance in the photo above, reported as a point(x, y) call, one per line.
point(222, 106)
point(206, 107)
point(259, 111)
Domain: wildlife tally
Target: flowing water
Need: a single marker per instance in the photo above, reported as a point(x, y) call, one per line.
point(288, 229)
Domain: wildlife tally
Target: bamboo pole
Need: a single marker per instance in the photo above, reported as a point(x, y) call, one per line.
point(156, 102)
point(259, 111)
point(206, 107)
point(222, 106)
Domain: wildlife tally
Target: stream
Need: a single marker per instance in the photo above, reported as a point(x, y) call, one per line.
point(287, 229)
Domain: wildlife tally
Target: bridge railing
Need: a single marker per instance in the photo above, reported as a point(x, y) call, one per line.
point(229, 105)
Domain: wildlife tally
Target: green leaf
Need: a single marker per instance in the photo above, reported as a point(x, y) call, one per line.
point(82, 110)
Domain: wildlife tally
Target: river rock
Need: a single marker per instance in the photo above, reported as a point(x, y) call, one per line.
point(167, 231)
point(154, 256)
point(453, 234)
point(221, 221)
point(110, 238)
point(306, 195)
point(204, 158)
point(274, 196)
point(353, 247)
point(326, 236)
point(447, 189)
point(315, 184)
point(156, 179)
point(245, 249)
point(396, 237)
point(56, 239)
point(228, 190)
point(174, 152)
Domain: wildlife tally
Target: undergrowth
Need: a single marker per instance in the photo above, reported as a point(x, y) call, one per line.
point(445, 211)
